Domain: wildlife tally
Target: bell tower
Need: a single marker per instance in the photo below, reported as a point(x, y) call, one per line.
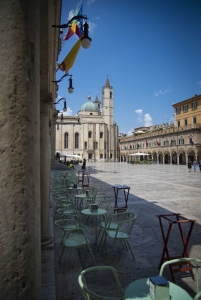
point(107, 103)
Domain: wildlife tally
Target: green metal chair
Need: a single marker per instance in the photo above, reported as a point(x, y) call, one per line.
point(197, 296)
point(179, 263)
point(69, 208)
point(89, 294)
point(105, 203)
point(122, 233)
point(75, 239)
point(61, 201)
point(111, 221)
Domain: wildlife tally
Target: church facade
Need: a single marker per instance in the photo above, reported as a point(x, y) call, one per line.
point(92, 134)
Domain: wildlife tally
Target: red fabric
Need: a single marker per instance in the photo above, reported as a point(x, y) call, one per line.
point(69, 34)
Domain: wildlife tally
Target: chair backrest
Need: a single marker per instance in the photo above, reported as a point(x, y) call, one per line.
point(196, 263)
point(112, 217)
point(92, 191)
point(105, 203)
point(63, 225)
point(197, 296)
point(99, 197)
point(89, 294)
point(127, 224)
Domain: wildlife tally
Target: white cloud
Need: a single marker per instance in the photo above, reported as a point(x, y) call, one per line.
point(90, 1)
point(139, 112)
point(199, 82)
point(71, 14)
point(66, 113)
point(161, 93)
point(130, 132)
point(147, 120)
point(92, 25)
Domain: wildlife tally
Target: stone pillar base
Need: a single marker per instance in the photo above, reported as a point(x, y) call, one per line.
point(47, 241)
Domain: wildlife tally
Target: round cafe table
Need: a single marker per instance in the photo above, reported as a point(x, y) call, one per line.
point(139, 289)
point(99, 212)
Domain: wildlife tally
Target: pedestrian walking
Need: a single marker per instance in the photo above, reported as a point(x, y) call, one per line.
point(199, 163)
point(189, 165)
point(195, 165)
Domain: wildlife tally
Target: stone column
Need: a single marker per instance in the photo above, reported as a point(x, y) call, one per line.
point(163, 159)
point(53, 135)
point(178, 160)
point(157, 159)
point(20, 255)
point(186, 159)
point(45, 157)
point(170, 159)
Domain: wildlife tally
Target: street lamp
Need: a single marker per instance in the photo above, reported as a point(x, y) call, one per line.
point(85, 39)
point(64, 108)
point(70, 88)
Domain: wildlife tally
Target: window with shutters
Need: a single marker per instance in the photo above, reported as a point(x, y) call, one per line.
point(194, 105)
point(178, 110)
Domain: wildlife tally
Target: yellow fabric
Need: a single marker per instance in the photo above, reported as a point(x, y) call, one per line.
point(70, 58)
point(73, 27)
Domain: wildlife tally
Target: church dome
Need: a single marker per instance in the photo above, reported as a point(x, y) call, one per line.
point(89, 106)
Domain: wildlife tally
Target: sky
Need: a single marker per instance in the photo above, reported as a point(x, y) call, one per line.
point(149, 49)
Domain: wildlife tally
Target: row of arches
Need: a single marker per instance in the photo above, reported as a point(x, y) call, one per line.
point(177, 157)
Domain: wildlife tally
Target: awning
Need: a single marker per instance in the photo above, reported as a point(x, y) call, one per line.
point(139, 154)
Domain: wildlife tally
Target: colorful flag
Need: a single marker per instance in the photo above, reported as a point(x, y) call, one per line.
point(147, 143)
point(76, 26)
point(138, 146)
point(69, 60)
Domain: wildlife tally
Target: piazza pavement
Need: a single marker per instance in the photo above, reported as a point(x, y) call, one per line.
point(154, 189)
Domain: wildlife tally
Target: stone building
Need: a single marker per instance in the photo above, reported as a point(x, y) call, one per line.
point(92, 134)
point(168, 143)
point(28, 55)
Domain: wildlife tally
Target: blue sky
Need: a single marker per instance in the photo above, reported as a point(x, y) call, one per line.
point(149, 49)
